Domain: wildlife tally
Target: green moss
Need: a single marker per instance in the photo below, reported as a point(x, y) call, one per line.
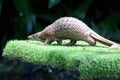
point(91, 61)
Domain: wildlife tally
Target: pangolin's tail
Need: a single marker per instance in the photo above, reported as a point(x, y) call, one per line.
point(103, 40)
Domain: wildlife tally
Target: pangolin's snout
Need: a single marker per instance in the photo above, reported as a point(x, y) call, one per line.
point(29, 37)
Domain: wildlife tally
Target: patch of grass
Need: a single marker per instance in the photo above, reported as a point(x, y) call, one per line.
point(91, 61)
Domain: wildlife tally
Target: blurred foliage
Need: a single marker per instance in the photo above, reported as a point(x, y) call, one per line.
point(19, 18)
point(52, 3)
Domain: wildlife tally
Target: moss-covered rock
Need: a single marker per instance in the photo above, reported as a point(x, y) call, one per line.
point(92, 61)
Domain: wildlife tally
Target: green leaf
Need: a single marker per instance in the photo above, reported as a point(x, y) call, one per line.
point(109, 26)
point(26, 15)
point(111, 20)
point(83, 8)
point(52, 3)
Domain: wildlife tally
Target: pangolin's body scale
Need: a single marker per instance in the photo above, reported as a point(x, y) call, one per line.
point(68, 28)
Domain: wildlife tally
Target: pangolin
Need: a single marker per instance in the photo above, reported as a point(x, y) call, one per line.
point(70, 28)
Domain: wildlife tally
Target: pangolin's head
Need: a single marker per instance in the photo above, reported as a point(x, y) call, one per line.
point(37, 36)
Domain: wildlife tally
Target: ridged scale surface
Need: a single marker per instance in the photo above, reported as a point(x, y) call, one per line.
point(68, 28)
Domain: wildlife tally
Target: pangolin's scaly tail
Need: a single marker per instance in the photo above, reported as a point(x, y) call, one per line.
point(103, 40)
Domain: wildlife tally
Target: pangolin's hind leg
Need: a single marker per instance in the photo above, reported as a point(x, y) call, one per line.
point(59, 42)
point(72, 42)
point(91, 41)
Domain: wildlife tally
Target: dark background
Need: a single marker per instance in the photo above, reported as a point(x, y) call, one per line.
point(20, 18)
